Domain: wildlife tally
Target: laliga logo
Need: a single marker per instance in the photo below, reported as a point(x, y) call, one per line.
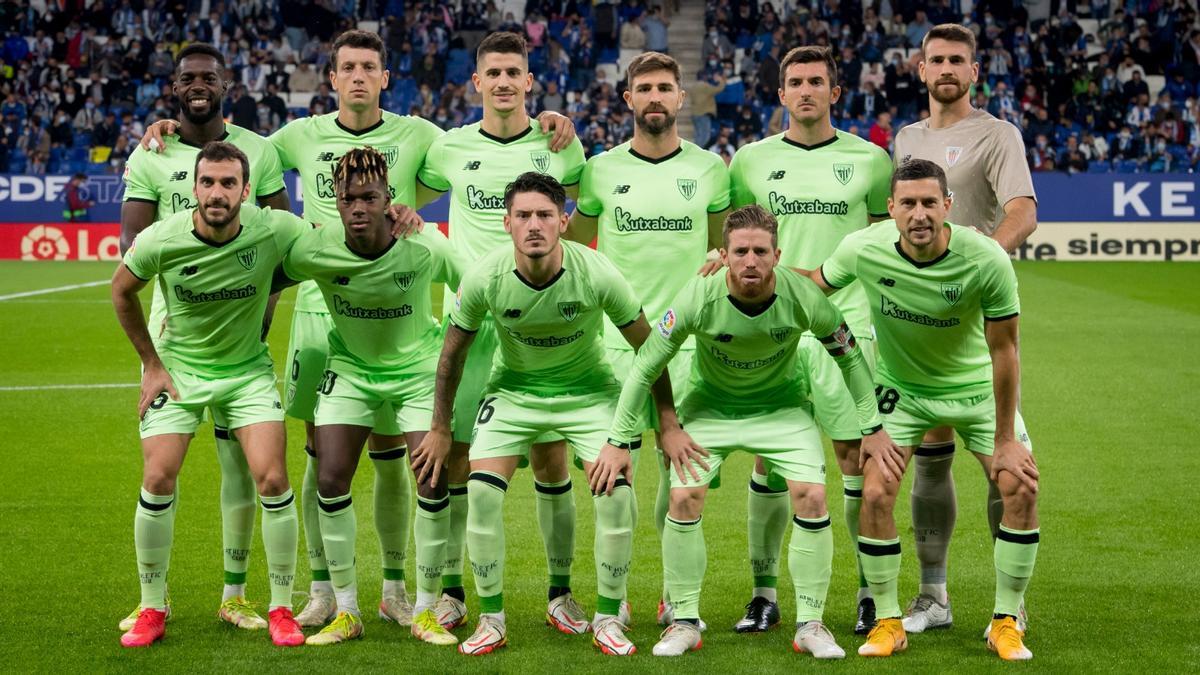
point(45, 243)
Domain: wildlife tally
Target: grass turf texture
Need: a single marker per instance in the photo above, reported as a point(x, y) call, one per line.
point(1108, 350)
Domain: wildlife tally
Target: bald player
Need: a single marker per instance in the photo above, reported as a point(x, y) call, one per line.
point(992, 191)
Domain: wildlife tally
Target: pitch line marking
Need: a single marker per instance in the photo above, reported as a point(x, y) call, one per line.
point(44, 387)
point(58, 289)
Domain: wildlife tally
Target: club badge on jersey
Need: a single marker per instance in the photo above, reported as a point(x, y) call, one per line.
point(953, 154)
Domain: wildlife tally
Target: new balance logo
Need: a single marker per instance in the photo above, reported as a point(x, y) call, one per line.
point(621, 189)
point(471, 166)
point(724, 337)
point(325, 157)
point(189, 270)
point(341, 281)
point(179, 175)
point(887, 282)
point(512, 313)
point(776, 175)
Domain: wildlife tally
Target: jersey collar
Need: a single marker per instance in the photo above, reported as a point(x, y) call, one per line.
point(660, 160)
point(921, 264)
point(548, 284)
point(223, 136)
point(505, 141)
point(802, 146)
point(377, 256)
point(218, 244)
point(752, 311)
point(360, 132)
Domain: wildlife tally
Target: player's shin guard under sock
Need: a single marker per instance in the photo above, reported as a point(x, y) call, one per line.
point(485, 536)
point(1015, 553)
point(934, 510)
point(339, 529)
point(880, 559)
point(153, 533)
point(767, 514)
point(456, 542)
point(852, 491)
point(432, 528)
point(237, 506)
point(310, 511)
point(684, 560)
point(556, 520)
point(810, 562)
point(995, 508)
point(613, 547)
point(393, 510)
point(280, 538)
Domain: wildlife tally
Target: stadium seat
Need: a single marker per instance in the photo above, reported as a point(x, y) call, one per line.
point(1127, 166)
point(1098, 166)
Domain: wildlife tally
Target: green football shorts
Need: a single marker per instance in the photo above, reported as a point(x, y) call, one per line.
point(362, 399)
point(237, 400)
point(680, 369)
point(786, 439)
point(509, 422)
point(308, 353)
point(833, 406)
point(906, 418)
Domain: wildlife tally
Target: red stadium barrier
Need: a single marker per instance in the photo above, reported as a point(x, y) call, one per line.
point(60, 241)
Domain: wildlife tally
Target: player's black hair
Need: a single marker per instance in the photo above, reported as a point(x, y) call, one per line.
point(532, 181)
point(751, 217)
point(502, 43)
point(200, 49)
point(220, 151)
point(358, 39)
point(920, 169)
point(364, 164)
point(809, 54)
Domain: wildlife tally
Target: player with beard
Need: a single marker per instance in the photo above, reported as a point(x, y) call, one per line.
point(984, 161)
point(654, 199)
point(215, 264)
point(158, 185)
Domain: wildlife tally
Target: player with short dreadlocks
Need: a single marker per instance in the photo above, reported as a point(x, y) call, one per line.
point(383, 349)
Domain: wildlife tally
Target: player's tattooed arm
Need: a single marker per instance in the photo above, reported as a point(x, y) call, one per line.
point(155, 379)
point(430, 456)
point(582, 228)
point(136, 215)
point(561, 126)
point(1020, 221)
point(1009, 454)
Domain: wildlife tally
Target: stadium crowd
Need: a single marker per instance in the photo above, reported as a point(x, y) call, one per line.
point(1116, 90)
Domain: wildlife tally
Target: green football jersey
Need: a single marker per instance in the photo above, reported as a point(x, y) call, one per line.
point(215, 294)
point(477, 166)
point(381, 309)
point(929, 316)
point(549, 335)
point(653, 218)
point(819, 194)
point(745, 362)
point(313, 145)
point(166, 179)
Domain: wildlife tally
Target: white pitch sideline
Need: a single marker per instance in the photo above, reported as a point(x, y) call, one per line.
point(58, 289)
point(44, 387)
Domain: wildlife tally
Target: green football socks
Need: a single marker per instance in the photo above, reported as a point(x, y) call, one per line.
point(485, 537)
point(1014, 552)
point(393, 510)
point(238, 495)
point(852, 497)
point(456, 540)
point(880, 560)
point(684, 560)
point(767, 513)
point(432, 529)
point(310, 510)
point(556, 520)
point(153, 533)
point(613, 547)
point(339, 529)
point(810, 562)
point(280, 538)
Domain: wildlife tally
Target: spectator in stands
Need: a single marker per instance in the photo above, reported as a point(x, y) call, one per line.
point(716, 46)
point(1041, 157)
point(723, 145)
point(632, 37)
point(244, 109)
point(917, 29)
point(162, 63)
point(62, 134)
point(104, 134)
point(748, 126)
point(552, 99)
point(120, 153)
point(881, 131)
point(1126, 146)
point(867, 102)
point(88, 116)
point(275, 103)
point(654, 25)
point(704, 107)
point(304, 79)
point(323, 102)
point(1139, 112)
point(1190, 56)
point(35, 143)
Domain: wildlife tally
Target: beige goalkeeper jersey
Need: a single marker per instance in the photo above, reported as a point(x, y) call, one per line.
point(984, 160)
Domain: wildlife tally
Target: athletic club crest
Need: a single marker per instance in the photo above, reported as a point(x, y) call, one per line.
point(843, 172)
point(541, 160)
point(248, 256)
point(953, 154)
point(687, 187)
point(568, 310)
point(404, 280)
point(952, 292)
point(780, 335)
point(390, 153)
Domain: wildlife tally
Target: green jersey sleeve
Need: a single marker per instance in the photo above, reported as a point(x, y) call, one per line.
point(839, 270)
point(281, 140)
point(588, 203)
point(137, 183)
point(999, 293)
point(286, 227)
point(718, 174)
point(470, 304)
point(447, 268)
point(432, 173)
point(740, 193)
point(881, 184)
point(616, 296)
point(269, 173)
point(574, 160)
point(665, 339)
point(142, 259)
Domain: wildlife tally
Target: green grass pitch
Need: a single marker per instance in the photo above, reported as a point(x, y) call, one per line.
point(1110, 379)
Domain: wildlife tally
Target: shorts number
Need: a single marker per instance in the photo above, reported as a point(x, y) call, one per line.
point(159, 402)
point(296, 365)
point(327, 380)
point(887, 399)
point(486, 410)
